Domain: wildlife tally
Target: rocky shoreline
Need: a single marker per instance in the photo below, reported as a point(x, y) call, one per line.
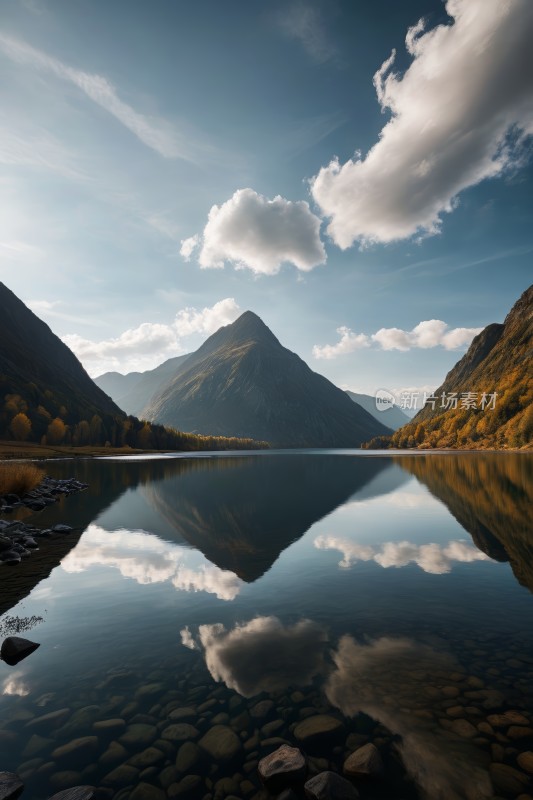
point(19, 539)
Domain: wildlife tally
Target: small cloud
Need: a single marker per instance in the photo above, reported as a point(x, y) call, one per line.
point(187, 639)
point(304, 23)
point(427, 334)
point(251, 231)
point(15, 686)
point(188, 246)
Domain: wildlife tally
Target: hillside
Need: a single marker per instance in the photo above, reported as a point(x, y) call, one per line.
point(498, 362)
point(392, 417)
point(244, 381)
point(133, 391)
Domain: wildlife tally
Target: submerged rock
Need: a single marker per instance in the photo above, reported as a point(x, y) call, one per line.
point(15, 648)
point(320, 726)
point(221, 743)
point(77, 793)
point(282, 768)
point(364, 762)
point(330, 786)
point(10, 786)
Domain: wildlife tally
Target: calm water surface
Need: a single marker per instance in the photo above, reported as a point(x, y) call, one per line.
point(260, 592)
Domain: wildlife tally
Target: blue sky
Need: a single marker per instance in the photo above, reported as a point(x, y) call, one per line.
point(167, 165)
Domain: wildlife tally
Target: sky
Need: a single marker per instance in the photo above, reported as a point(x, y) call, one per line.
point(357, 174)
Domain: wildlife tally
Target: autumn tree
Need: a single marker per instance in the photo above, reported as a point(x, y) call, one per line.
point(20, 427)
point(56, 431)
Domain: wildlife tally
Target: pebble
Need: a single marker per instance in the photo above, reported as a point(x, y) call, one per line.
point(364, 762)
point(330, 786)
point(10, 786)
point(282, 768)
point(318, 727)
point(221, 743)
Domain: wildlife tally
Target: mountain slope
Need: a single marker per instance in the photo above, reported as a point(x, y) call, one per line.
point(133, 391)
point(393, 417)
point(499, 361)
point(243, 380)
point(38, 371)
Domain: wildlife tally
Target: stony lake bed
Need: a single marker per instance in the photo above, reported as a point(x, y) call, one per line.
point(206, 611)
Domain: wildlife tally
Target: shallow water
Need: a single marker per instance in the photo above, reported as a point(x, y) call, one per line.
point(392, 593)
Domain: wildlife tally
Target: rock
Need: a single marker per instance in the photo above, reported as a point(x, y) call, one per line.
point(65, 779)
point(10, 557)
point(283, 768)
point(330, 786)
point(262, 709)
point(364, 762)
point(10, 786)
point(51, 720)
point(187, 787)
point(519, 732)
point(180, 732)
point(272, 727)
point(36, 745)
point(188, 756)
point(114, 753)
point(14, 649)
point(138, 735)
point(463, 728)
point(221, 743)
point(109, 725)
point(525, 761)
point(62, 528)
point(182, 713)
point(508, 718)
point(77, 748)
point(508, 780)
point(321, 726)
point(122, 776)
point(77, 793)
point(5, 543)
point(145, 791)
point(147, 758)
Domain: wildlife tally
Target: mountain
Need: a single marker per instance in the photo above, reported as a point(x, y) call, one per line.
point(393, 417)
point(40, 378)
point(133, 391)
point(243, 381)
point(498, 362)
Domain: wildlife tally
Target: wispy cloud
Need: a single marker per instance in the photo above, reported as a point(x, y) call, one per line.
point(155, 133)
point(304, 22)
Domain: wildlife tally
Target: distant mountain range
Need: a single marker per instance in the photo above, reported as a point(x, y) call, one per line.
point(393, 417)
point(486, 400)
point(243, 382)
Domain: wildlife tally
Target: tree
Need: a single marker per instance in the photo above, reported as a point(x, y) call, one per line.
point(20, 427)
point(56, 431)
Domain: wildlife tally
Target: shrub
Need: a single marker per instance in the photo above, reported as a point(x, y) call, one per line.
point(19, 478)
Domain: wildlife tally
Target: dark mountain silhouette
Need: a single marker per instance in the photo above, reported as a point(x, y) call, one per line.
point(243, 381)
point(37, 369)
point(499, 361)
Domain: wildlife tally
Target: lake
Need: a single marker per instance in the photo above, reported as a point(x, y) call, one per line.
point(213, 606)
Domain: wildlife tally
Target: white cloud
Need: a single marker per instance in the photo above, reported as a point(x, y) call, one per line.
point(188, 246)
point(252, 231)
point(147, 559)
point(263, 655)
point(304, 22)
point(154, 133)
point(429, 333)
point(348, 343)
point(432, 558)
point(147, 345)
point(187, 639)
point(468, 87)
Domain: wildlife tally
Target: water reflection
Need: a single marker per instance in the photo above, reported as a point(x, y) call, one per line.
point(433, 558)
point(386, 679)
point(148, 559)
point(490, 495)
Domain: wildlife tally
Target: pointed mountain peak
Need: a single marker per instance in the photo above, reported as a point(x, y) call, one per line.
point(250, 327)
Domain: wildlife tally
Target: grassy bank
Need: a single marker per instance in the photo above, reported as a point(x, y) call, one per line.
point(17, 450)
point(19, 478)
